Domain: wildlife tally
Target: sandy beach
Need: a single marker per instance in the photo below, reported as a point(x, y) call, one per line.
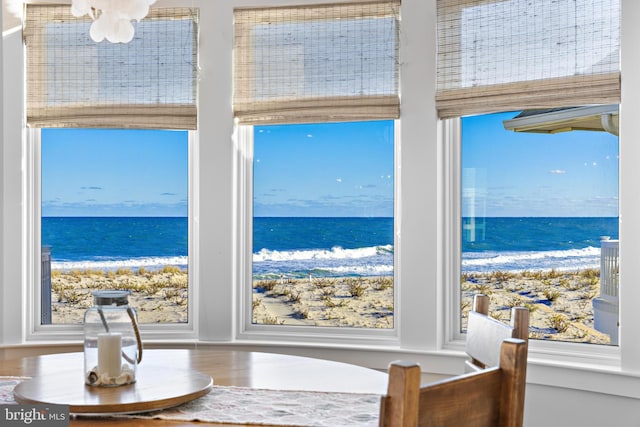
point(158, 296)
point(362, 302)
point(560, 303)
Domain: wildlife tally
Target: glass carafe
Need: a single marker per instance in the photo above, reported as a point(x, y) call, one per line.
point(112, 344)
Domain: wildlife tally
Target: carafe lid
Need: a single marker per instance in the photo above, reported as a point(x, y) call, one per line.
point(111, 297)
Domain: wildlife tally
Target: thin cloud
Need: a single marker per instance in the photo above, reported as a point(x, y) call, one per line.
point(557, 172)
point(91, 188)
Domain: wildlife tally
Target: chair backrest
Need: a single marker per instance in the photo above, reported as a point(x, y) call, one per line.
point(490, 394)
point(493, 397)
point(484, 334)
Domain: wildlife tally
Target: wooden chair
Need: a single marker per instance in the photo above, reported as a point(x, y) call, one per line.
point(490, 394)
point(484, 334)
point(493, 397)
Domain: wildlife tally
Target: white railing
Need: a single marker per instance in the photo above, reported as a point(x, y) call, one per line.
point(609, 269)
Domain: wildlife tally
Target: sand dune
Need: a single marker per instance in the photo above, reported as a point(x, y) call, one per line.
point(560, 303)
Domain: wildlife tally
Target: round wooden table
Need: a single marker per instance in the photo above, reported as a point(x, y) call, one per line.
point(227, 368)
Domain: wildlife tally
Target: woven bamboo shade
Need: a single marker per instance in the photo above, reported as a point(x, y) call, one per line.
point(505, 55)
point(322, 63)
point(149, 83)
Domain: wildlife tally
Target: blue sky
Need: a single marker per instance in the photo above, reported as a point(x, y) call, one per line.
point(91, 172)
point(339, 169)
point(526, 174)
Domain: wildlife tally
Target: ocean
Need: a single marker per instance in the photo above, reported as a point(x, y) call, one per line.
point(323, 247)
point(109, 243)
point(295, 247)
point(516, 244)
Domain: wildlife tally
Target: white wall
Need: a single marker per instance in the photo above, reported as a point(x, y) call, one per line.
point(215, 219)
point(2, 297)
point(11, 250)
point(557, 407)
point(629, 194)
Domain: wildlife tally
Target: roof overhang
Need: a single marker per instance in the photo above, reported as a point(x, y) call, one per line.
point(603, 118)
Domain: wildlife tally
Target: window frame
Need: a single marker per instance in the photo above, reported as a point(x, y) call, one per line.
point(32, 272)
point(244, 139)
point(601, 355)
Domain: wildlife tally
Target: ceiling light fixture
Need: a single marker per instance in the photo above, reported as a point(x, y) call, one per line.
point(112, 18)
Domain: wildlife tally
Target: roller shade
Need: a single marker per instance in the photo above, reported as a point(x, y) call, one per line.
point(521, 54)
point(320, 63)
point(149, 83)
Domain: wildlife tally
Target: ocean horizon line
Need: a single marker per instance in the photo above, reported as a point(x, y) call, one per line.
point(115, 216)
point(329, 216)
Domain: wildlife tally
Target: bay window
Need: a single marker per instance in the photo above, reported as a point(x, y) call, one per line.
point(427, 321)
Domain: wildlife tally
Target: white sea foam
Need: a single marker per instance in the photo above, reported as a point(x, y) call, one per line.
point(365, 270)
point(149, 263)
point(571, 259)
point(368, 261)
point(321, 254)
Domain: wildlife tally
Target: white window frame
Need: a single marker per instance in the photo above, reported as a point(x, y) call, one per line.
point(244, 137)
point(600, 369)
point(601, 355)
point(32, 195)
